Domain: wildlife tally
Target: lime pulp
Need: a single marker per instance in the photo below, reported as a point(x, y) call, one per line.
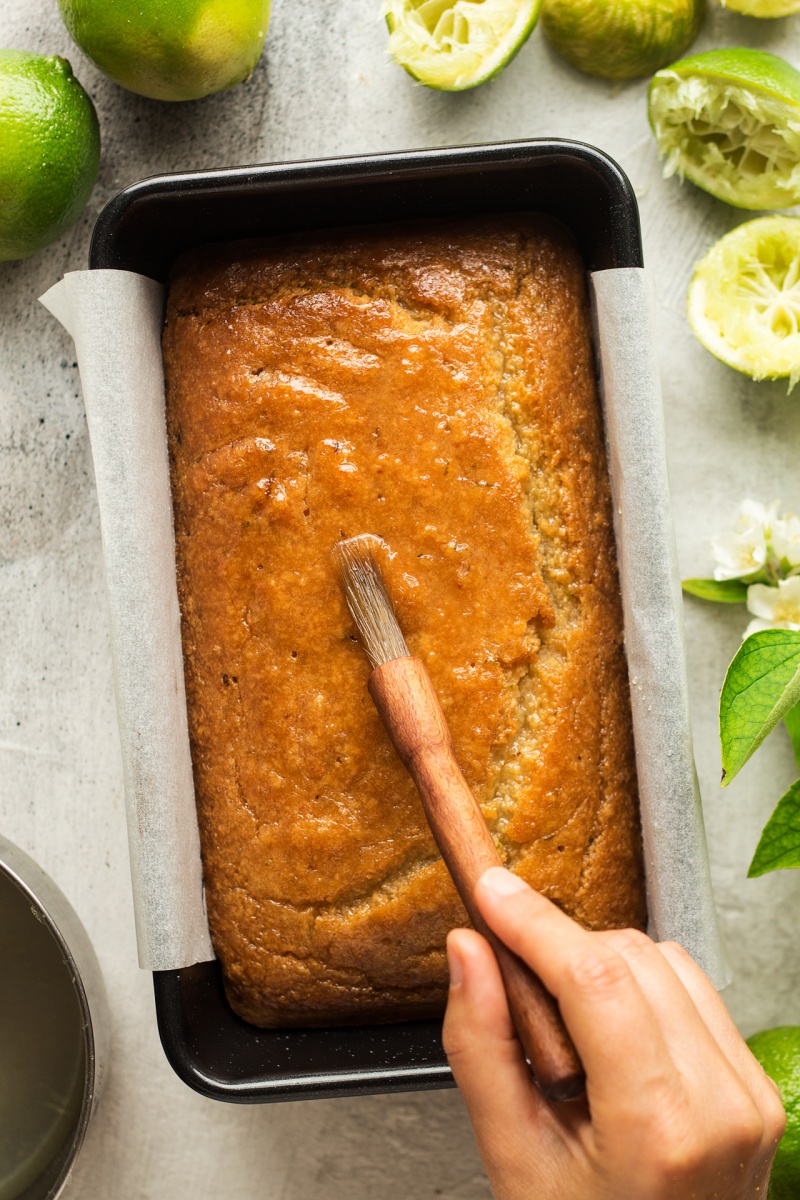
point(744, 299)
point(729, 121)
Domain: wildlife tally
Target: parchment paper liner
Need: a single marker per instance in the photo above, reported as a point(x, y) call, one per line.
point(115, 319)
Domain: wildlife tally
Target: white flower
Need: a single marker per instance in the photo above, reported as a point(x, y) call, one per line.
point(744, 551)
point(786, 538)
point(774, 607)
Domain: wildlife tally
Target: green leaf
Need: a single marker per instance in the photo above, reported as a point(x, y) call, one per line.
point(780, 842)
point(724, 591)
point(792, 723)
point(762, 684)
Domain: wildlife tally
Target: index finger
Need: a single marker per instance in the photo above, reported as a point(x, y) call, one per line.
point(614, 1029)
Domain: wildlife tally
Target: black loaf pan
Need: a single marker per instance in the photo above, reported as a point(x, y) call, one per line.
point(144, 229)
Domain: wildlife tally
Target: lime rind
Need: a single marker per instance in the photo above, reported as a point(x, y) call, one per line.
point(744, 299)
point(738, 141)
point(742, 65)
point(452, 45)
point(49, 151)
point(174, 51)
point(778, 1051)
point(762, 8)
point(620, 41)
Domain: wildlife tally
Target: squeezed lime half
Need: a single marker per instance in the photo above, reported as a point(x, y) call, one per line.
point(452, 45)
point(729, 121)
point(763, 8)
point(744, 299)
point(620, 40)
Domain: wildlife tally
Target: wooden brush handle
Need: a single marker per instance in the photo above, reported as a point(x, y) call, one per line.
point(410, 710)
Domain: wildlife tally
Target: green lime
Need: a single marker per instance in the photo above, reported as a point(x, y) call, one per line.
point(452, 45)
point(763, 8)
point(744, 299)
point(778, 1051)
point(49, 151)
point(621, 40)
point(729, 121)
point(170, 49)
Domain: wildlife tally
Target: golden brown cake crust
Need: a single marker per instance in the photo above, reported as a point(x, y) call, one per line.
point(432, 384)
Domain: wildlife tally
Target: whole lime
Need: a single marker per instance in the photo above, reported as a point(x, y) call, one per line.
point(778, 1051)
point(170, 49)
point(49, 151)
point(621, 39)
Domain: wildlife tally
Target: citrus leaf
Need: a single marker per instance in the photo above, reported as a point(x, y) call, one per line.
point(762, 684)
point(724, 591)
point(792, 723)
point(780, 842)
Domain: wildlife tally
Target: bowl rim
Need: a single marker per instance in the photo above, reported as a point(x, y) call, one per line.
point(50, 906)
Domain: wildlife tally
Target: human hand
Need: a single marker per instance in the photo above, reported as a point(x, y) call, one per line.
point(676, 1105)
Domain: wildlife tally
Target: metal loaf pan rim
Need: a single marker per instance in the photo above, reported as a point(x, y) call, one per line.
point(144, 229)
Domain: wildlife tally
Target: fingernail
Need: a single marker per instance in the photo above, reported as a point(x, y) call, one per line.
point(502, 882)
point(455, 966)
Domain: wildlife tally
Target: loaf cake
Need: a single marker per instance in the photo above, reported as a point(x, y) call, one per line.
point(432, 384)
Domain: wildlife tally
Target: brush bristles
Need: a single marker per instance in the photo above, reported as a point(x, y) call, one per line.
point(368, 600)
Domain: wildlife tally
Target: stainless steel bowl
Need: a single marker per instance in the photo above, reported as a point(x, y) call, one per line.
point(55, 1030)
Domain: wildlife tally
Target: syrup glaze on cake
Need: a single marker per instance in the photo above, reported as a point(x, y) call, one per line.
point(434, 385)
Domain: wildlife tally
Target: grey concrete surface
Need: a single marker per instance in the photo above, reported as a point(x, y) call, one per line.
point(324, 87)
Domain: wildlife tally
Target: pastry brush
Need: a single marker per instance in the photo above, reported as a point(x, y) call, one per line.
point(409, 708)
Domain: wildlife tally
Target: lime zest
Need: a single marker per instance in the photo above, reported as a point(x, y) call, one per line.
point(452, 45)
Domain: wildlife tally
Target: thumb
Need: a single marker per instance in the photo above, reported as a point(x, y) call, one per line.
point(484, 1054)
